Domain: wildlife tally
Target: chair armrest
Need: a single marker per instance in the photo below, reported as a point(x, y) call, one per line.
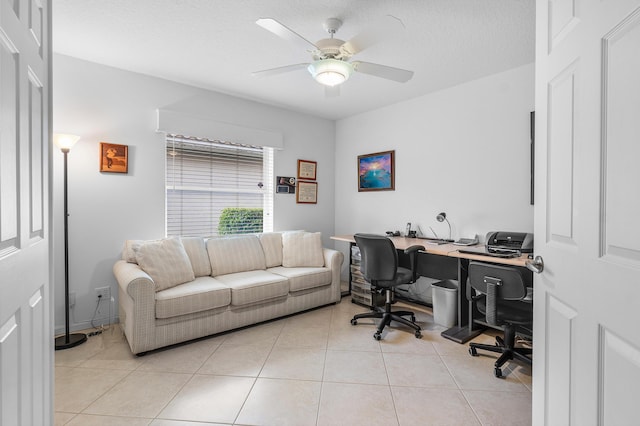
point(529, 296)
point(413, 258)
point(413, 249)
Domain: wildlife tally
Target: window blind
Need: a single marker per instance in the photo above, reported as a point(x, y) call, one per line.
point(217, 187)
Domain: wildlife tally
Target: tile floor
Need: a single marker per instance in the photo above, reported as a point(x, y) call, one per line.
point(313, 368)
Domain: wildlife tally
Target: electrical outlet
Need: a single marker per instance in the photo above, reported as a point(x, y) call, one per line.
point(103, 293)
point(72, 298)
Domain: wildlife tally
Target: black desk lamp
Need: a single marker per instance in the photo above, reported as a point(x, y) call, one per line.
point(65, 142)
point(443, 217)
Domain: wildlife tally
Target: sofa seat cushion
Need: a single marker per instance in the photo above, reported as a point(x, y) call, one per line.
point(304, 278)
point(254, 286)
point(199, 295)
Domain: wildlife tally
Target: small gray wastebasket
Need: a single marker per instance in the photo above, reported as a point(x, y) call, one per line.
point(445, 302)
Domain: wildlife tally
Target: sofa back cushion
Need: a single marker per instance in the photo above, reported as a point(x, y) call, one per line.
point(272, 247)
point(166, 262)
point(229, 255)
point(197, 252)
point(302, 249)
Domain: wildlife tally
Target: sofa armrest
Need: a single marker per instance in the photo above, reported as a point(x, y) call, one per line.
point(131, 278)
point(137, 305)
point(333, 260)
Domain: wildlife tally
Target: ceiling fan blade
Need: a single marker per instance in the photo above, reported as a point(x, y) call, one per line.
point(382, 29)
point(331, 91)
point(383, 71)
point(281, 31)
point(279, 70)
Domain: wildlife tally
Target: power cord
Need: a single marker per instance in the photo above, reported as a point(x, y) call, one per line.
point(101, 328)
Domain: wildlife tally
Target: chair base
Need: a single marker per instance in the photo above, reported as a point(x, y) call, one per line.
point(387, 316)
point(506, 348)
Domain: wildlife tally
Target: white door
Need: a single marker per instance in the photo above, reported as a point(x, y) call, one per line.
point(26, 332)
point(587, 215)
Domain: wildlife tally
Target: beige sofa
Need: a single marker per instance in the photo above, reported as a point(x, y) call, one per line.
point(177, 289)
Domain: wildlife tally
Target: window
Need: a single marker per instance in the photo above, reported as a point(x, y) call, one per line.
point(217, 187)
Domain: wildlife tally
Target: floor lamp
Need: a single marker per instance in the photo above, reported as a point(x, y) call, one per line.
point(65, 142)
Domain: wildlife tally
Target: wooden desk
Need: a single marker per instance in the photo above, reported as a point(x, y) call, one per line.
point(464, 330)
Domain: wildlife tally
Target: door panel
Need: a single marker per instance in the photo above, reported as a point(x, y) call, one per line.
point(36, 159)
point(562, 20)
point(26, 331)
point(586, 343)
point(9, 350)
point(620, 360)
point(560, 319)
point(620, 150)
point(560, 157)
point(8, 147)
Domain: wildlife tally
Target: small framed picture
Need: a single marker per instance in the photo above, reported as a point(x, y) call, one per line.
point(307, 169)
point(307, 192)
point(114, 158)
point(285, 185)
point(376, 172)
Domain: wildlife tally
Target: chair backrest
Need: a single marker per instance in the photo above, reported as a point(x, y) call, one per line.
point(513, 281)
point(498, 283)
point(379, 257)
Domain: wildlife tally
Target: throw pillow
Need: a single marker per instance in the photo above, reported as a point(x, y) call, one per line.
point(131, 248)
point(166, 262)
point(302, 249)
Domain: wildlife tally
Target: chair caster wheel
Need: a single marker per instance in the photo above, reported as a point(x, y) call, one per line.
point(418, 335)
point(377, 336)
point(497, 372)
point(354, 321)
point(413, 318)
point(473, 351)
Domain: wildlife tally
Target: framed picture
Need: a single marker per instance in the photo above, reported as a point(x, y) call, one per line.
point(307, 192)
point(532, 124)
point(114, 158)
point(285, 185)
point(376, 172)
point(307, 169)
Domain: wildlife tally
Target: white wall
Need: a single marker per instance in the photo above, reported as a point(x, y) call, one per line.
point(105, 104)
point(463, 150)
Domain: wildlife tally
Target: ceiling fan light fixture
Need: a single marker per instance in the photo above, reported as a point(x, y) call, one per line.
point(330, 72)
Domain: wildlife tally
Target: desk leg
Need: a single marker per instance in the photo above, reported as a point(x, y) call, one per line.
point(464, 331)
point(348, 292)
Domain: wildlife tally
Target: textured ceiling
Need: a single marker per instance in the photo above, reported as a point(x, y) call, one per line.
point(215, 44)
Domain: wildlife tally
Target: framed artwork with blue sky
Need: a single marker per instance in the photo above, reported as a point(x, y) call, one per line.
point(376, 172)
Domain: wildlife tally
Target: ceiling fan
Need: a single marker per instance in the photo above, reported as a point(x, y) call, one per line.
point(331, 66)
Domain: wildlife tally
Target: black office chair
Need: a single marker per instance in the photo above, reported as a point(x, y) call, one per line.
point(502, 297)
point(379, 265)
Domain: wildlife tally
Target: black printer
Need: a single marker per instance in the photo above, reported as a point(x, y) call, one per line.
point(509, 242)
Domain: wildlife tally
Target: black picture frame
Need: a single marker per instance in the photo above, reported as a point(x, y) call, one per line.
point(532, 123)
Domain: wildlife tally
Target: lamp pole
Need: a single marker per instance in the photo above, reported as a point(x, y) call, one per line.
point(75, 339)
